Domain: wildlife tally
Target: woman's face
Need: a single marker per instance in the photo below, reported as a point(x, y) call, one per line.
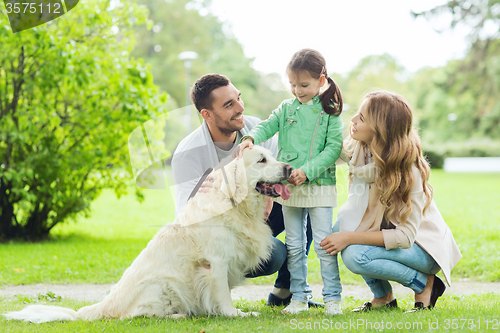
point(359, 128)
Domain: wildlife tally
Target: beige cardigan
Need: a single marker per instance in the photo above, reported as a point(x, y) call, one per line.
point(428, 230)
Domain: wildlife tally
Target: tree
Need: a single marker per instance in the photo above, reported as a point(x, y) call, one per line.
point(70, 94)
point(371, 73)
point(471, 86)
point(188, 25)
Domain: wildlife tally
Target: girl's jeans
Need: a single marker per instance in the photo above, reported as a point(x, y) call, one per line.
point(377, 266)
point(295, 240)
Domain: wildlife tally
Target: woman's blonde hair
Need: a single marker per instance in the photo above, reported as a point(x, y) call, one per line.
point(395, 148)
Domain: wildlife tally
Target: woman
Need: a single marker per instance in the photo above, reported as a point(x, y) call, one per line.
point(390, 228)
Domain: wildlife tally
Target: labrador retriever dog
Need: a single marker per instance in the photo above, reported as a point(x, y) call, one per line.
point(190, 266)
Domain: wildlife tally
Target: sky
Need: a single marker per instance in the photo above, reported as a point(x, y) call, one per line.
point(343, 31)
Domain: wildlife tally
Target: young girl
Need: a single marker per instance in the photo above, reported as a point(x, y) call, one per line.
point(390, 228)
point(310, 139)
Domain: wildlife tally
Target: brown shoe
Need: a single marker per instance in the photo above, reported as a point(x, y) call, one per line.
point(367, 306)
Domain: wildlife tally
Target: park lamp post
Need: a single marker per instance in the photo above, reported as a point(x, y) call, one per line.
point(452, 117)
point(188, 57)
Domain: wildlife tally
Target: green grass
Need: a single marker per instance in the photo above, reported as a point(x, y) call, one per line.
point(94, 250)
point(450, 311)
point(98, 249)
point(470, 206)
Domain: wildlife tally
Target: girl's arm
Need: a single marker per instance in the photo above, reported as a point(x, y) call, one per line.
point(266, 128)
point(336, 242)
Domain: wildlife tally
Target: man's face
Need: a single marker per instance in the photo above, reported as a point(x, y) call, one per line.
point(227, 109)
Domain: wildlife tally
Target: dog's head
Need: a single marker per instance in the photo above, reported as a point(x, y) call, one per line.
point(257, 170)
point(256, 173)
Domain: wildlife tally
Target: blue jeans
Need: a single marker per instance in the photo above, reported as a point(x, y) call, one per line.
point(377, 266)
point(274, 263)
point(296, 240)
point(275, 221)
point(277, 261)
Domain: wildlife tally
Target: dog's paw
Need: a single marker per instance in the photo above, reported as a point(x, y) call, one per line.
point(247, 314)
point(177, 316)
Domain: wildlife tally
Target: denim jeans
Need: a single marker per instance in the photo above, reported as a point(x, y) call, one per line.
point(275, 221)
point(276, 260)
point(378, 266)
point(295, 240)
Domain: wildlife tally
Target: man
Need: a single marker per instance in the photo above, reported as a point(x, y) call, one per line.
point(221, 106)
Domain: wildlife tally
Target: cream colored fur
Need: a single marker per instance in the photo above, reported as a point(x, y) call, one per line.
point(189, 267)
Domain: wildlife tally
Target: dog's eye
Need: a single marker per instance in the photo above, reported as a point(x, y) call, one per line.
point(262, 160)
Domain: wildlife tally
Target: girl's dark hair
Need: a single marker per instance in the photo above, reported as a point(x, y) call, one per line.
point(312, 61)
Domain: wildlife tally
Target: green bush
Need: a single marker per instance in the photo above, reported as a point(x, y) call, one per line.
point(70, 95)
point(436, 153)
point(435, 159)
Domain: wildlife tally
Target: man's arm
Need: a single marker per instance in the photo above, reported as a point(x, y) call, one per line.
point(268, 208)
point(187, 168)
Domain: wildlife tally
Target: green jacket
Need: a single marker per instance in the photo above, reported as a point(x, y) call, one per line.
point(309, 138)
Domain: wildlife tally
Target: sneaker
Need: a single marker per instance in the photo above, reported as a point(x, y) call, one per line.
point(333, 308)
point(273, 300)
point(295, 307)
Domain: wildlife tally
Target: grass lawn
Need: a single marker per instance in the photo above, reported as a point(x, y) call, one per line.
point(475, 313)
point(98, 249)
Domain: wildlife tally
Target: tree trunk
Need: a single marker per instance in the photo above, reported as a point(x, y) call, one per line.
point(9, 227)
point(35, 228)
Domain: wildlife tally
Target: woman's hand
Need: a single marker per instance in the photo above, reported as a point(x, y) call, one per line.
point(247, 143)
point(336, 242)
point(297, 177)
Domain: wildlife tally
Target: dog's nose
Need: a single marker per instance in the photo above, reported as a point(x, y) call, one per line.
point(287, 170)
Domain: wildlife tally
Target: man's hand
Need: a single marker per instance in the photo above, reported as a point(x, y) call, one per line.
point(207, 184)
point(247, 143)
point(297, 177)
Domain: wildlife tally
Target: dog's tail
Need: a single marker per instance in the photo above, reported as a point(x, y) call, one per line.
point(42, 313)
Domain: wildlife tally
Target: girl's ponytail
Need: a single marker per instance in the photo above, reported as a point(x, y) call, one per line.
point(331, 99)
point(312, 61)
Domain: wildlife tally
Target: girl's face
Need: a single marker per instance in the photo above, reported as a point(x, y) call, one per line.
point(359, 128)
point(304, 86)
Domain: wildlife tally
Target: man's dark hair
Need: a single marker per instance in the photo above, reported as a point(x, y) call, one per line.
point(201, 93)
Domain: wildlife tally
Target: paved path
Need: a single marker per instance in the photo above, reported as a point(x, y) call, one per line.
point(96, 292)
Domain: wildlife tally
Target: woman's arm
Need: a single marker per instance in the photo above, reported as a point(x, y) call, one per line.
point(402, 237)
point(336, 242)
point(405, 233)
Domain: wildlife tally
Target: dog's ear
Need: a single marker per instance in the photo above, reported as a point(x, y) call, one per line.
point(234, 183)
